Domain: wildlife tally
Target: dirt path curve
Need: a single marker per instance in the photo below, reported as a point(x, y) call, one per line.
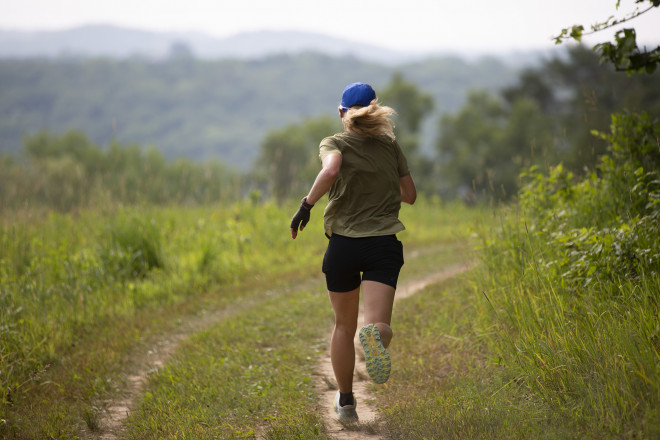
point(327, 386)
point(152, 356)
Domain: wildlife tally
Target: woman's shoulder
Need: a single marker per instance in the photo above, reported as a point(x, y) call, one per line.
point(332, 144)
point(345, 138)
point(337, 140)
point(342, 135)
point(333, 137)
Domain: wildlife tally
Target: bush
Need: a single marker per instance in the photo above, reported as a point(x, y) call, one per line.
point(605, 226)
point(133, 248)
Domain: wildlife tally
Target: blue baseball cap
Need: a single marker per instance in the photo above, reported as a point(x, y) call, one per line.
point(357, 94)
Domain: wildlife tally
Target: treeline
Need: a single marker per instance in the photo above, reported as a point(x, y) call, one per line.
point(545, 118)
point(68, 172)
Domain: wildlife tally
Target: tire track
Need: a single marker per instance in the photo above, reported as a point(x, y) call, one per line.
point(146, 361)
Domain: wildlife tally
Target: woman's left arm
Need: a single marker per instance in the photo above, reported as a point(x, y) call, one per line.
point(324, 180)
point(408, 189)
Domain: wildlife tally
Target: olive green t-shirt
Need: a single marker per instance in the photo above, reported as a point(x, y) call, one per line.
point(365, 199)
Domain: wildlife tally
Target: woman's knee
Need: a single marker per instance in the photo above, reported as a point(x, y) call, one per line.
point(346, 327)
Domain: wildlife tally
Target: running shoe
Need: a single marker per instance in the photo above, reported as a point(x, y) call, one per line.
point(375, 355)
point(347, 413)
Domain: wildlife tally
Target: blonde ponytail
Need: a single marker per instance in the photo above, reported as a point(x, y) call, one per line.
point(371, 121)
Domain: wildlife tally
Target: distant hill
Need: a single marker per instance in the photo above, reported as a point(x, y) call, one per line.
point(119, 42)
point(200, 109)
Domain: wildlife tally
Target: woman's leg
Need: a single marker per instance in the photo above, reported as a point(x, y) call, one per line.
point(342, 350)
point(378, 302)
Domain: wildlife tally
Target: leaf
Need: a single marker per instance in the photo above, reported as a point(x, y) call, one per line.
point(576, 32)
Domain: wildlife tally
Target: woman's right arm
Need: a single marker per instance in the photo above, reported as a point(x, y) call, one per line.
point(408, 190)
point(326, 177)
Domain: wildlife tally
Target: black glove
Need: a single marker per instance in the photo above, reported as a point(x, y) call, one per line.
point(300, 219)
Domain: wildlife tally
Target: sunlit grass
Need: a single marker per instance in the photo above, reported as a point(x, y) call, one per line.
point(447, 381)
point(592, 354)
point(66, 278)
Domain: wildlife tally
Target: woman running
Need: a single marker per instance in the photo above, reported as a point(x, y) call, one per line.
point(366, 177)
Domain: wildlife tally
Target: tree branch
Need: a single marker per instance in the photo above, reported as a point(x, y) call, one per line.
point(576, 32)
point(624, 53)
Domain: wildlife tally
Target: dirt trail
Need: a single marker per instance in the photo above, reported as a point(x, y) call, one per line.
point(117, 410)
point(146, 361)
point(327, 386)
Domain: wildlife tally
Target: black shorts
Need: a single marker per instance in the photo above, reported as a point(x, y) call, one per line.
point(376, 258)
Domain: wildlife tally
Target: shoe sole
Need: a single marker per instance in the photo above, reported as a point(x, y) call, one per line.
point(346, 415)
point(376, 357)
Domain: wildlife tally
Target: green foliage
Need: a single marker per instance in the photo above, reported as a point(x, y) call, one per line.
point(626, 56)
point(544, 119)
point(596, 91)
point(412, 106)
point(573, 285)
point(289, 158)
point(64, 274)
point(133, 248)
point(483, 147)
point(624, 53)
point(608, 221)
point(621, 201)
point(69, 172)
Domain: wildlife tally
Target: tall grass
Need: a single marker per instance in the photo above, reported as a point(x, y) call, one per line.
point(573, 285)
point(63, 272)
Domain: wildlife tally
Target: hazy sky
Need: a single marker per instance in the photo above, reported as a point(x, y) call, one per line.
point(416, 25)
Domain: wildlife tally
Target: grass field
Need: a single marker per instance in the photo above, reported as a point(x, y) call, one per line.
point(81, 293)
point(497, 352)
